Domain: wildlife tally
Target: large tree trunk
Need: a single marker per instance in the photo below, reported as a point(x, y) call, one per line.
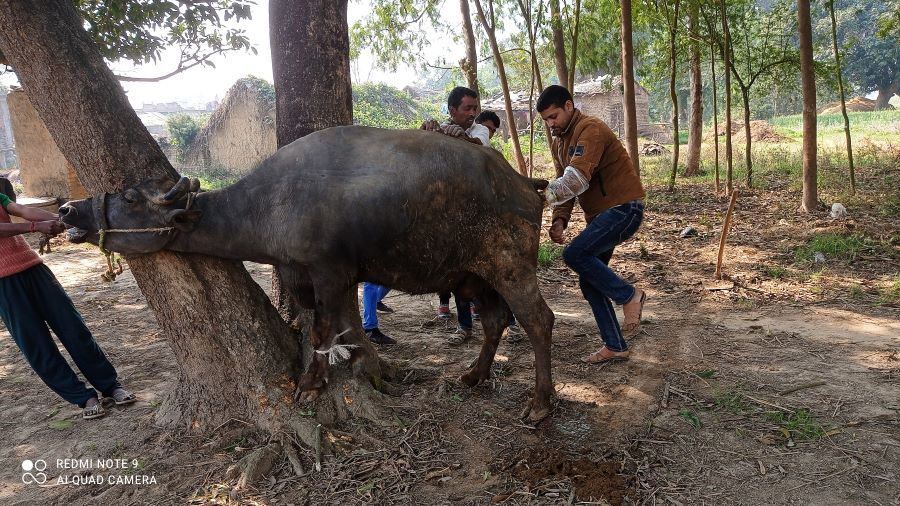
point(696, 122)
point(490, 29)
point(236, 358)
point(311, 70)
point(808, 80)
point(469, 65)
point(673, 55)
point(559, 44)
point(885, 94)
point(840, 78)
point(631, 133)
point(726, 56)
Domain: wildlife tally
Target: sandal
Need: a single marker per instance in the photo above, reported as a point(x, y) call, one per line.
point(633, 310)
point(121, 397)
point(91, 412)
point(604, 355)
point(459, 336)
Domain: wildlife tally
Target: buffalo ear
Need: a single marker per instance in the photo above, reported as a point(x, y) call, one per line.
point(183, 220)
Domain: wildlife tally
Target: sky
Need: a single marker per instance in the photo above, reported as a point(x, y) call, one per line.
point(203, 84)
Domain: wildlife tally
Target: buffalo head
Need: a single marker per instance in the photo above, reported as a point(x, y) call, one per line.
point(141, 219)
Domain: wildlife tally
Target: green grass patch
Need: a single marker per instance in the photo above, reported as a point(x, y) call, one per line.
point(833, 246)
point(548, 254)
point(732, 401)
point(773, 271)
point(800, 425)
point(891, 294)
point(691, 418)
point(60, 424)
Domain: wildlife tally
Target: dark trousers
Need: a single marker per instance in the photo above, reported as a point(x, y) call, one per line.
point(587, 255)
point(463, 314)
point(29, 302)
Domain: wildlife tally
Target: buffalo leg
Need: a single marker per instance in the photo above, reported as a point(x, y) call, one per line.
point(525, 300)
point(495, 316)
point(331, 299)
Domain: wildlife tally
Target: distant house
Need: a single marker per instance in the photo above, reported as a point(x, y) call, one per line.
point(241, 131)
point(601, 97)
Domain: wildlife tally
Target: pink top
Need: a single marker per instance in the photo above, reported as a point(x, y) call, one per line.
point(15, 255)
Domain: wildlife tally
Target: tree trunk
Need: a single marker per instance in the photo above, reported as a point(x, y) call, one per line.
point(469, 64)
point(631, 133)
point(885, 94)
point(573, 56)
point(840, 78)
point(726, 56)
point(559, 44)
point(715, 103)
point(236, 358)
point(525, 6)
point(695, 132)
point(312, 86)
point(673, 55)
point(748, 137)
point(808, 80)
point(489, 28)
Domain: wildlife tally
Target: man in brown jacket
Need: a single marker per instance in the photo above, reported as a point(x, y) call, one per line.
point(592, 165)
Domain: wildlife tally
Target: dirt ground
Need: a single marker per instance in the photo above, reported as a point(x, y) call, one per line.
point(780, 390)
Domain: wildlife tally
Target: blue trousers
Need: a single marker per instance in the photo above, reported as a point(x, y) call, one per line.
point(463, 314)
point(29, 302)
point(372, 295)
point(600, 285)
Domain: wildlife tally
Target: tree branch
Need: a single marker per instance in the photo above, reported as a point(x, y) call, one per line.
point(179, 69)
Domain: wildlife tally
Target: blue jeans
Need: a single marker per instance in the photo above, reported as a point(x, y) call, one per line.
point(29, 302)
point(372, 295)
point(599, 284)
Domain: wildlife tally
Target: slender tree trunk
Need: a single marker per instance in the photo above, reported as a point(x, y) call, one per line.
point(748, 137)
point(489, 28)
point(312, 88)
point(808, 80)
point(631, 133)
point(469, 65)
point(525, 6)
point(695, 132)
point(726, 56)
point(673, 55)
point(236, 357)
point(573, 56)
point(837, 62)
point(559, 44)
point(715, 103)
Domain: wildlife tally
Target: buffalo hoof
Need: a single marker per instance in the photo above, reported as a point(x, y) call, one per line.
point(309, 396)
point(534, 412)
point(472, 379)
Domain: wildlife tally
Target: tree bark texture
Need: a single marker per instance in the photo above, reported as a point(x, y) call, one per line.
point(236, 358)
point(490, 29)
point(715, 104)
point(695, 132)
point(808, 82)
point(559, 44)
point(726, 56)
point(311, 70)
point(469, 65)
point(673, 94)
point(631, 133)
point(573, 56)
point(840, 78)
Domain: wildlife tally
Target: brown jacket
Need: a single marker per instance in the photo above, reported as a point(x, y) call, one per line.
point(588, 145)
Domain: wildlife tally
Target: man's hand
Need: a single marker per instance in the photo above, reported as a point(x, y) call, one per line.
point(430, 125)
point(455, 131)
point(556, 231)
point(49, 227)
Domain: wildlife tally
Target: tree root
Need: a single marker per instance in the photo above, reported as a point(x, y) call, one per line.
point(251, 468)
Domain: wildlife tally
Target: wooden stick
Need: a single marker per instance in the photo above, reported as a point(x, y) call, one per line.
point(726, 227)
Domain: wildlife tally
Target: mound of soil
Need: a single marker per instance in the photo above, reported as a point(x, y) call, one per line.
point(591, 480)
point(760, 131)
point(855, 104)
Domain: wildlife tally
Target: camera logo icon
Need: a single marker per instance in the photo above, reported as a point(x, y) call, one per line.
point(33, 472)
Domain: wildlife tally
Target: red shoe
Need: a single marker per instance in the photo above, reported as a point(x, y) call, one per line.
point(444, 311)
